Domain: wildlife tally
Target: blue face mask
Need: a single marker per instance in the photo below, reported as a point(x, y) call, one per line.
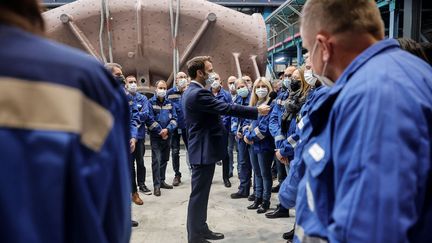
point(286, 83)
point(243, 92)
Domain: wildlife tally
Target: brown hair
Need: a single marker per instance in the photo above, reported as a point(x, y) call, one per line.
point(25, 14)
point(159, 81)
point(195, 64)
point(130, 76)
point(305, 87)
point(414, 48)
point(340, 16)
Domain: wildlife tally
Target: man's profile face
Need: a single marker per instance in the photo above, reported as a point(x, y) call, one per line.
point(116, 72)
point(289, 71)
point(208, 68)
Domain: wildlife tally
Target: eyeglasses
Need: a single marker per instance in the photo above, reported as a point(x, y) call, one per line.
point(287, 75)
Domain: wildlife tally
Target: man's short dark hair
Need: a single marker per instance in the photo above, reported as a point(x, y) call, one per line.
point(24, 14)
point(195, 64)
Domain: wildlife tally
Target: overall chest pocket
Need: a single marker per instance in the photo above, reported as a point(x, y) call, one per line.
point(317, 155)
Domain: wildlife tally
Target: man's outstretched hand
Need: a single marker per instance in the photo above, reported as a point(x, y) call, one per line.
point(263, 110)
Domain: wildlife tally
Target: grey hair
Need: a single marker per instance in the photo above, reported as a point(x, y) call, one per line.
point(111, 65)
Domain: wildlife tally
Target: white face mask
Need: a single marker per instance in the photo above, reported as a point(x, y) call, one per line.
point(132, 87)
point(215, 84)
point(261, 92)
point(182, 83)
point(232, 87)
point(322, 78)
point(211, 78)
point(161, 92)
point(309, 77)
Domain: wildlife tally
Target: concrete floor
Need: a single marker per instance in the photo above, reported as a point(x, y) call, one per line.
point(163, 219)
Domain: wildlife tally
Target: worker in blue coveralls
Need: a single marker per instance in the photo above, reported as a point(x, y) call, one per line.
point(243, 159)
point(64, 138)
point(276, 131)
point(275, 121)
point(261, 150)
point(134, 122)
point(232, 143)
point(164, 115)
point(222, 95)
point(141, 103)
point(368, 161)
point(175, 95)
point(293, 145)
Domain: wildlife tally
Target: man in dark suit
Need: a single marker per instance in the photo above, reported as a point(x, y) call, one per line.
point(206, 140)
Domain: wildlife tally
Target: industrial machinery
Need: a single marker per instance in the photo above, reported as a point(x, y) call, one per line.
point(153, 39)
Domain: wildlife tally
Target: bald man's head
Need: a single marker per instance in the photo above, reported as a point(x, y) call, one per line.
point(289, 71)
point(181, 80)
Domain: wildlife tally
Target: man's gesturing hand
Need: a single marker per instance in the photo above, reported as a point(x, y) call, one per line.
point(263, 110)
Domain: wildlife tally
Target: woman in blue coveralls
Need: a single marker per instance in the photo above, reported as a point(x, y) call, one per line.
point(257, 134)
point(244, 164)
point(299, 91)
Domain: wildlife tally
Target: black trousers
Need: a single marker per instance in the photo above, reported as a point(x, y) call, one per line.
point(202, 177)
point(160, 157)
point(138, 157)
point(175, 149)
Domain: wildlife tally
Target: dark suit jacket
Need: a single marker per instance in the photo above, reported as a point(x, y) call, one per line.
point(206, 133)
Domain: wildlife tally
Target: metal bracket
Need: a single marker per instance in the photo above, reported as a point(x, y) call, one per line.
point(82, 38)
point(255, 65)
point(211, 17)
point(237, 63)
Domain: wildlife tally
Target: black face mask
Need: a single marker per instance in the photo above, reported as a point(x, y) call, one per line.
point(120, 79)
point(295, 85)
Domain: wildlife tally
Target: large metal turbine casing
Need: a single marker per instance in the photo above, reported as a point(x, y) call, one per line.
point(141, 35)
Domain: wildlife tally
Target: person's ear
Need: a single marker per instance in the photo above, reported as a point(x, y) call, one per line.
point(326, 47)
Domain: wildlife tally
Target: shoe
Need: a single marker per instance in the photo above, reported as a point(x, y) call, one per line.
point(275, 189)
point(199, 241)
point(143, 188)
point(238, 195)
point(227, 183)
point(263, 207)
point(136, 199)
point(255, 204)
point(210, 235)
point(176, 181)
point(251, 197)
point(279, 212)
point(134, 223)
point(165, 186)
point(157, 192)
point(288, 235)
